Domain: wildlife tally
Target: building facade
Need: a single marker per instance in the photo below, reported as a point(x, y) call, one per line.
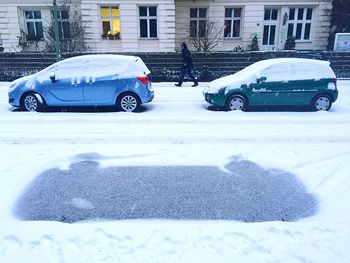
point(129, 25)
point(161, 25)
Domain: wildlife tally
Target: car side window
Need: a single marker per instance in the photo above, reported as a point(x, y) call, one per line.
point(308, 71)
point(44, 75)
point(292, 71)
point(70, 69)
point(279, 72)
point(99, 68)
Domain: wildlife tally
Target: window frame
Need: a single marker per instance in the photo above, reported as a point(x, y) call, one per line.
point(232, 19)
point(272, 24)
point(61, 20)
point(148, 19)
point(110, 17)
point(304, 21)
point(197, 19)
point(34, 21)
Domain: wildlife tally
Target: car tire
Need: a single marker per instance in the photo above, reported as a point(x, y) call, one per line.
point(32, 102)
point(321, 102)
point(237, 102)
point(128, 102)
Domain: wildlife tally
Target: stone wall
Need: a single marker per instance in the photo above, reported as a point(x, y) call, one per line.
point(166, 66)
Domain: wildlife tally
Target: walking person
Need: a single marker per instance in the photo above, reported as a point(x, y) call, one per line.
point(187, 66)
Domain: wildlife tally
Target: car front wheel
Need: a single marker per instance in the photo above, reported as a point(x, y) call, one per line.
point(321, 103)
point(237, 102)
point(128, 102)
point(32, 102)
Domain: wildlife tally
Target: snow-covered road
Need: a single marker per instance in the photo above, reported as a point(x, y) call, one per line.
point(177, 129)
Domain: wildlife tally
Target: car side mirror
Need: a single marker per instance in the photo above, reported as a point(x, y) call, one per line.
point(261, 79)
point(52, 77)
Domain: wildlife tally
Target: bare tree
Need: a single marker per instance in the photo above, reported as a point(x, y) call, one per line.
point(72, 38)
point(75, 42)
point(206, 37)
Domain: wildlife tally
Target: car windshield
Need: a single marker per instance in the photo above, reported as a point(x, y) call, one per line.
point(245, 76)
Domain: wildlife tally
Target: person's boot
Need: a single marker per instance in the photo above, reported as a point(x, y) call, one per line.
point(178, 85)
point(195, 84)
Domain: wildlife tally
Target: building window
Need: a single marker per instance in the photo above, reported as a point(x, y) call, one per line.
point(110, 22)
point(34, 25)
point(270, 27)
point(198, 22)
point(232, 22)
point(299, 25)
point(63, 23)
point(148, 21)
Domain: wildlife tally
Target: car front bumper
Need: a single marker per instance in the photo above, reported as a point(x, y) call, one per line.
point(215, 99)
point(14, 100)
point(208, 98)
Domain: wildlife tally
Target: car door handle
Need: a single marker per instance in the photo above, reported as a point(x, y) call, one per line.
point(89, 80)
point(76, 81)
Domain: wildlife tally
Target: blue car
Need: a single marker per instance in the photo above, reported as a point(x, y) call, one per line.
point(89, 80)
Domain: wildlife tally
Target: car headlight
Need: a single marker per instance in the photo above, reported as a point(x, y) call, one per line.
point(13, 86)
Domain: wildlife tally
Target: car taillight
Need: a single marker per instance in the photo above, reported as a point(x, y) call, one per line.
point(335, 82)
point(144, 79)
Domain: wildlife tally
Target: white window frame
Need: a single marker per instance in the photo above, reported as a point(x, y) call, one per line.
point(34, 21)
point(271, 22)
point(198, 19)
point(110, 18)
point(233, 19)
point(304, 21)
point(148, 18)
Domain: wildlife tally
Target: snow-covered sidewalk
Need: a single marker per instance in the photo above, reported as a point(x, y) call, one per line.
point(177, 129)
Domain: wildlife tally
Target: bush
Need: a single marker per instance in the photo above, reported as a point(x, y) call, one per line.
point(238, 49)
point(255, 45)
point(290, 44)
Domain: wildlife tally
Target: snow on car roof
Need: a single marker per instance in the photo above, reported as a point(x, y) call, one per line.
point(102, 56)
point(289, 69)
point(99, 65)
point(274, 61)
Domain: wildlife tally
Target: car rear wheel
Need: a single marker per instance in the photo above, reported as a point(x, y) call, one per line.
point(32, 102)
point(128, 102)
point(321, 103)
point(237, 102)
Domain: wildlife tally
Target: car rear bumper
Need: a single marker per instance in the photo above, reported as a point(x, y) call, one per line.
point(335, 95)
point(151, 98)
point(147, 96)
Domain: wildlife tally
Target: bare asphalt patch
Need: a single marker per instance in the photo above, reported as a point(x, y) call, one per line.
point(247, 193)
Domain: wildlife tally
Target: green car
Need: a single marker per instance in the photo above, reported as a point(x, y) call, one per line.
point(276, 82)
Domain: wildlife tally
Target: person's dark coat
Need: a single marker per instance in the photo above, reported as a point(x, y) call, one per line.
point(187, 58)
